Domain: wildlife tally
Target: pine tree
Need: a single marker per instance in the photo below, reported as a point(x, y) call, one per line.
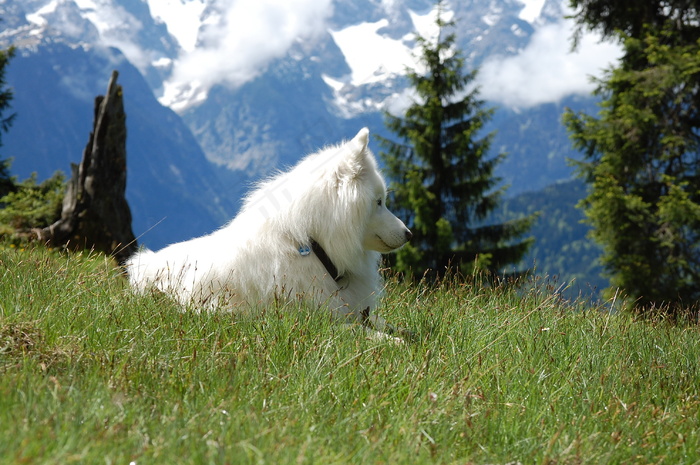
point(442, 178)
point(642, 151)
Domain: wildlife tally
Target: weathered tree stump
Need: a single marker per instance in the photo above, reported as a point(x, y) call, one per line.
point(95, 212)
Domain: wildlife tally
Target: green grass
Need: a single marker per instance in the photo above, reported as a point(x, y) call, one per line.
point(90, 373)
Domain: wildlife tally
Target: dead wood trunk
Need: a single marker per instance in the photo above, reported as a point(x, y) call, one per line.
point(95, 212)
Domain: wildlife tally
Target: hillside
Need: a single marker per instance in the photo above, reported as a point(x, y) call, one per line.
point(90, 373)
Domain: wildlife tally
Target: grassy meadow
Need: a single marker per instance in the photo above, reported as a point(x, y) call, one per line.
point(90, 373)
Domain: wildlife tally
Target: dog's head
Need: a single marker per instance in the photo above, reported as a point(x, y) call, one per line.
point(361, 192)
point(337, 197)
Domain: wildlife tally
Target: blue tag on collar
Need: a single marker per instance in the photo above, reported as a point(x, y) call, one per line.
point(304, 250)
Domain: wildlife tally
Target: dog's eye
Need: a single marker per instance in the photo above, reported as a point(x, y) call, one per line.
point(379, 202)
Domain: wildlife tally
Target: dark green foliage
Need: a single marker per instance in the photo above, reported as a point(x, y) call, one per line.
point(641, 155)
point(32, 204)
point(631, 18)
point(442, 179)
point(7, 182)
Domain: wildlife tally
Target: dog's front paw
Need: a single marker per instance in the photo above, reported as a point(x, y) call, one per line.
point(403, 333)
point(379, 325)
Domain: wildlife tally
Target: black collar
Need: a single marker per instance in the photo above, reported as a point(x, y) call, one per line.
point(325, 260)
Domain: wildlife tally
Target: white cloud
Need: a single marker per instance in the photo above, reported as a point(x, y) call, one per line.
point(237, 39)
point(546, 70)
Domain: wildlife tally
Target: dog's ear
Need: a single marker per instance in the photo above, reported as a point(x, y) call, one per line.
point(356, 157)
point(359, 143)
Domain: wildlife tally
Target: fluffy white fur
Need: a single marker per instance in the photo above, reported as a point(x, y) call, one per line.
point(336, 197)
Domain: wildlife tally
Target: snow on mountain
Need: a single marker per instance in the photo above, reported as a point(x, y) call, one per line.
point(183, 19)
point(126, 25)
point(375, 56)
point(216, 42)
point(383, 67)
point(532, 64)
point(388, 57)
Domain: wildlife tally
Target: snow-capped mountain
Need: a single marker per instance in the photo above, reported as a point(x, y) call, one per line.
point(330, 82)
point(221, 92)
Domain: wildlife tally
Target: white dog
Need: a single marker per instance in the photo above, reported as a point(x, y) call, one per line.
point(315, 232)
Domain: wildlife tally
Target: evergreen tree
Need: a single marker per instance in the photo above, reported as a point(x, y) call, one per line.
point(641, 153)
point(621, 19)
point(6, 181)
point(442, 179)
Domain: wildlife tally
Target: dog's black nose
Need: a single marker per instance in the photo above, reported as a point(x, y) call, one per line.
point(409, 235)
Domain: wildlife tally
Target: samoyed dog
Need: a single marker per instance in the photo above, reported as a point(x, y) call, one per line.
point(315, 232)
